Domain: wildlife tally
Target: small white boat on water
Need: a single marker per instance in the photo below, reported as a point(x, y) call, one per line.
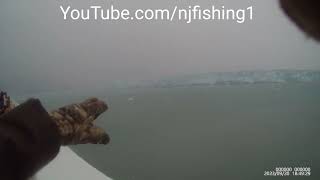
point(130, 99)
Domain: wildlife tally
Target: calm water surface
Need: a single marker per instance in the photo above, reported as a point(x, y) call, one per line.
point(204, 133)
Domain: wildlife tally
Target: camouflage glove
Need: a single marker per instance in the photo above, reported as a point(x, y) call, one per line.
point(75, 123)
point(9, 105)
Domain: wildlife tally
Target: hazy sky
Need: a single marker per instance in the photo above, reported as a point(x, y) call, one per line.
point(39, 50)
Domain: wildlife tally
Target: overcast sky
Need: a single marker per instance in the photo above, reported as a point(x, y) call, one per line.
point(39, 50)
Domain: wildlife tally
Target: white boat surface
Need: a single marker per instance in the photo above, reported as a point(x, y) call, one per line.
point(69, 166)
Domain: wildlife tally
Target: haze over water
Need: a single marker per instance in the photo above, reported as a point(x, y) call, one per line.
point(221, 132)
point(207, 131)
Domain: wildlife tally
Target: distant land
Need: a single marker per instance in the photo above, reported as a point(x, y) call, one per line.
point(192, 80)
point(237, 78)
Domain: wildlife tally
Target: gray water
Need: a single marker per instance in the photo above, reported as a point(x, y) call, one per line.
point(204, 133)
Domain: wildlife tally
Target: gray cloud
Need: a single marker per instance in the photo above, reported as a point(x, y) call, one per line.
point(41, 51)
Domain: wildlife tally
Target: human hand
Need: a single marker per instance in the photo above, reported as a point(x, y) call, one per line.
point(75, 123)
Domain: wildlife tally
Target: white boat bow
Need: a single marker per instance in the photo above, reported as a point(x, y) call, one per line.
point(69, 166)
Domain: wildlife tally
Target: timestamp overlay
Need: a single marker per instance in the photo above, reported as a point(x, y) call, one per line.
point(289, 172)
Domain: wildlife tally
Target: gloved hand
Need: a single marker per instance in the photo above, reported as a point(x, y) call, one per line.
point(75, 122)
point(6, 103)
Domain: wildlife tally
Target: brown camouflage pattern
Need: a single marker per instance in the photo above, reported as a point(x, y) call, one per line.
point(75, 122)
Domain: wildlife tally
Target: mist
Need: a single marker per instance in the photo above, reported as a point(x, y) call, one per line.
point(39, 51)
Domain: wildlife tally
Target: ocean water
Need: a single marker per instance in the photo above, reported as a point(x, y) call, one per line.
point(204, 133)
